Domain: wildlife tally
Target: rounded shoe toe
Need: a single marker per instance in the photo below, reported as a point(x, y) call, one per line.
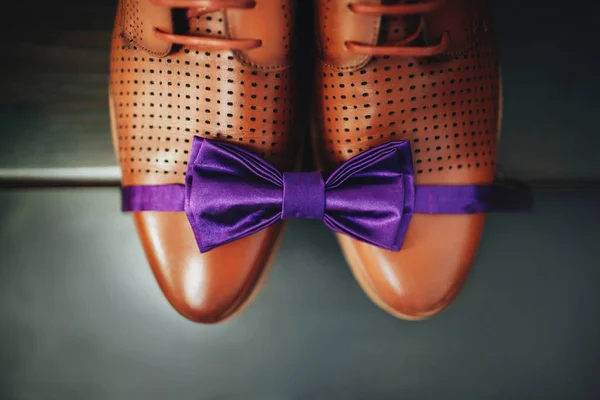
point(203, 287)
point(423, 277)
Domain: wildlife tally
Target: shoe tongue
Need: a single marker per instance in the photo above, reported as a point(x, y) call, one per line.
point(207, 25)
point(267, 22)
point(462, 20)
point(396, 29)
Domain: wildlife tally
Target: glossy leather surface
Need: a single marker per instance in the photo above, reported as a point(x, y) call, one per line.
point(161, 96)
point(204, 287)
point(448, 107)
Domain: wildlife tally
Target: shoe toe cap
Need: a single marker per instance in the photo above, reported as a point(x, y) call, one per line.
point(423, 278)
point(203, 287)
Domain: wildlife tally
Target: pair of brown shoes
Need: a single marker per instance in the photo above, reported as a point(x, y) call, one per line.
point(425, 71)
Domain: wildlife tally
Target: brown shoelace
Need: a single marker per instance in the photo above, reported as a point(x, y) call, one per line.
point(199, 7)
point(400, 48)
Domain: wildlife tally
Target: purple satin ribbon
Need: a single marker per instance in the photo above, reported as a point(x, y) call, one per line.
point(231, 193)
point(303, 195)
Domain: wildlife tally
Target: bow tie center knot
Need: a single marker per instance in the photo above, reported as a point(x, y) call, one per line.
point(303, 195)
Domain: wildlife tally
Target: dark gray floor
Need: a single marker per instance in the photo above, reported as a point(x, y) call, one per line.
point(81, 316)
point(550, 73)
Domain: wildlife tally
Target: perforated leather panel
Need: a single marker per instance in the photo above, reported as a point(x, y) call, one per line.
point(160, 103)
point(448, 107)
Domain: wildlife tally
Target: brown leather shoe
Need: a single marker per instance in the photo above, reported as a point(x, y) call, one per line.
point(218, 69)
point(425, 71)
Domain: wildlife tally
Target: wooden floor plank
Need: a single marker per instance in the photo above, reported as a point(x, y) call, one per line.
point(54, 75)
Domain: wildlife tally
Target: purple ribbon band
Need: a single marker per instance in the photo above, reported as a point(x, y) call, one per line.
point(231, 193)
point(303, 195)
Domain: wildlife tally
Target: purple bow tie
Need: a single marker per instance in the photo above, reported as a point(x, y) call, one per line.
point(231, 193)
